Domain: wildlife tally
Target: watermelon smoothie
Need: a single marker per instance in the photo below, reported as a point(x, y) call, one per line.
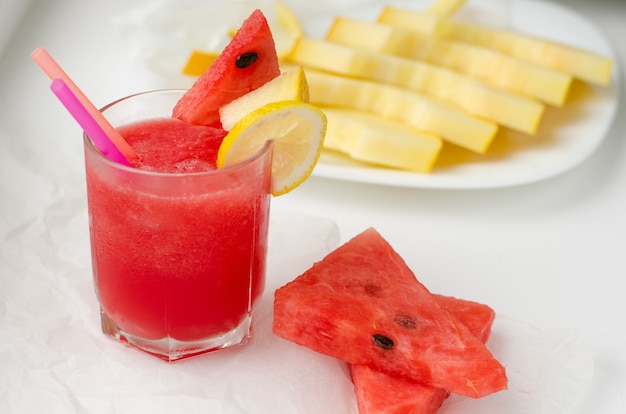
point(178, 247)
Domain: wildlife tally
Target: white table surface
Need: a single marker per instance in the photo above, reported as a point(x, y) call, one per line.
point(550, 253)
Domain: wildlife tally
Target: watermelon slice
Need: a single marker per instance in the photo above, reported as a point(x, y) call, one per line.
point(247, 62)
point(380, 393)
point(477, 317)
point(363, 305)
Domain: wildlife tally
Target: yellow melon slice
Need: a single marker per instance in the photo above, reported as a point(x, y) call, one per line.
point(373, 139)
point(286, 30)
point(579, 63)
point(584, 65)
point(488, 66)
point(423, 22)
point(417, 111)
point(290, 85)
point(457, 90)
point(445, 7)
point(198, 62)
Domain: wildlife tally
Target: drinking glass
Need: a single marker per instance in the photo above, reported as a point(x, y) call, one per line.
point(178, 259)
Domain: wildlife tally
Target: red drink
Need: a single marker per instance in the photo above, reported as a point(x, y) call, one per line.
point(178, 256)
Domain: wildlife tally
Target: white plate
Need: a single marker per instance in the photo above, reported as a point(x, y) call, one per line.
point(565, 137)
point(166, 34)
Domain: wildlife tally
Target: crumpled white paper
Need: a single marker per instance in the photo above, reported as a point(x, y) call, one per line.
point(54, 358)
point(548, 372)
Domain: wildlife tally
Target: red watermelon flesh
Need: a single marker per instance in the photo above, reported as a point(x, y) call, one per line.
point(477, 317)
point(224, 81)
point(363, 305)
point(380, 393)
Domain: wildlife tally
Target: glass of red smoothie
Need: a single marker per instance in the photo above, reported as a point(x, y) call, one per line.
point(178, 246)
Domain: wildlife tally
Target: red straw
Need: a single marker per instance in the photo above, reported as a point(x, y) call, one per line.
point(54, 71)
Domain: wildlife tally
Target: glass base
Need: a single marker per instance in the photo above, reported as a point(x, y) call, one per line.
point(170, 349)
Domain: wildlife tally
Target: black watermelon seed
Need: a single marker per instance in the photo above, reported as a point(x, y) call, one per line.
point(246, 59)
point(382, 341)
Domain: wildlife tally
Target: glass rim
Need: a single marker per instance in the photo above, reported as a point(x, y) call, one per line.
point(89, 145)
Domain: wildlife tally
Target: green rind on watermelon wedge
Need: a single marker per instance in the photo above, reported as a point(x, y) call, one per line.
point(380, 393)
point(363, 289)
point(225, 80)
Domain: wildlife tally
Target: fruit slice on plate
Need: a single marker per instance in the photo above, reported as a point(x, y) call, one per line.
point(246, 63)
point(288, 86)
point(297, 131)
point(379, 393)
point(513, 75)
point(417, 111)
point(445, 7)
point(458, 90)
point(370, 138)
point(198, 62)
point(287, 30)
point(288, 19)
point(584, 65)
point(363, 305)
point(429, 23)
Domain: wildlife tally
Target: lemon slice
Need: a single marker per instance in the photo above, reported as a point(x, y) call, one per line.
point(297, 130)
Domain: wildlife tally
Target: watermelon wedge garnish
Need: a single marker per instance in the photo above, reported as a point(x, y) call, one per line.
point(363, 305)
point(247, 62)
point(380, 393)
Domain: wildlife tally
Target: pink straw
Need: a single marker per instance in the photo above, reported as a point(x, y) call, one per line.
point(87, 122)
point(54, 71)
